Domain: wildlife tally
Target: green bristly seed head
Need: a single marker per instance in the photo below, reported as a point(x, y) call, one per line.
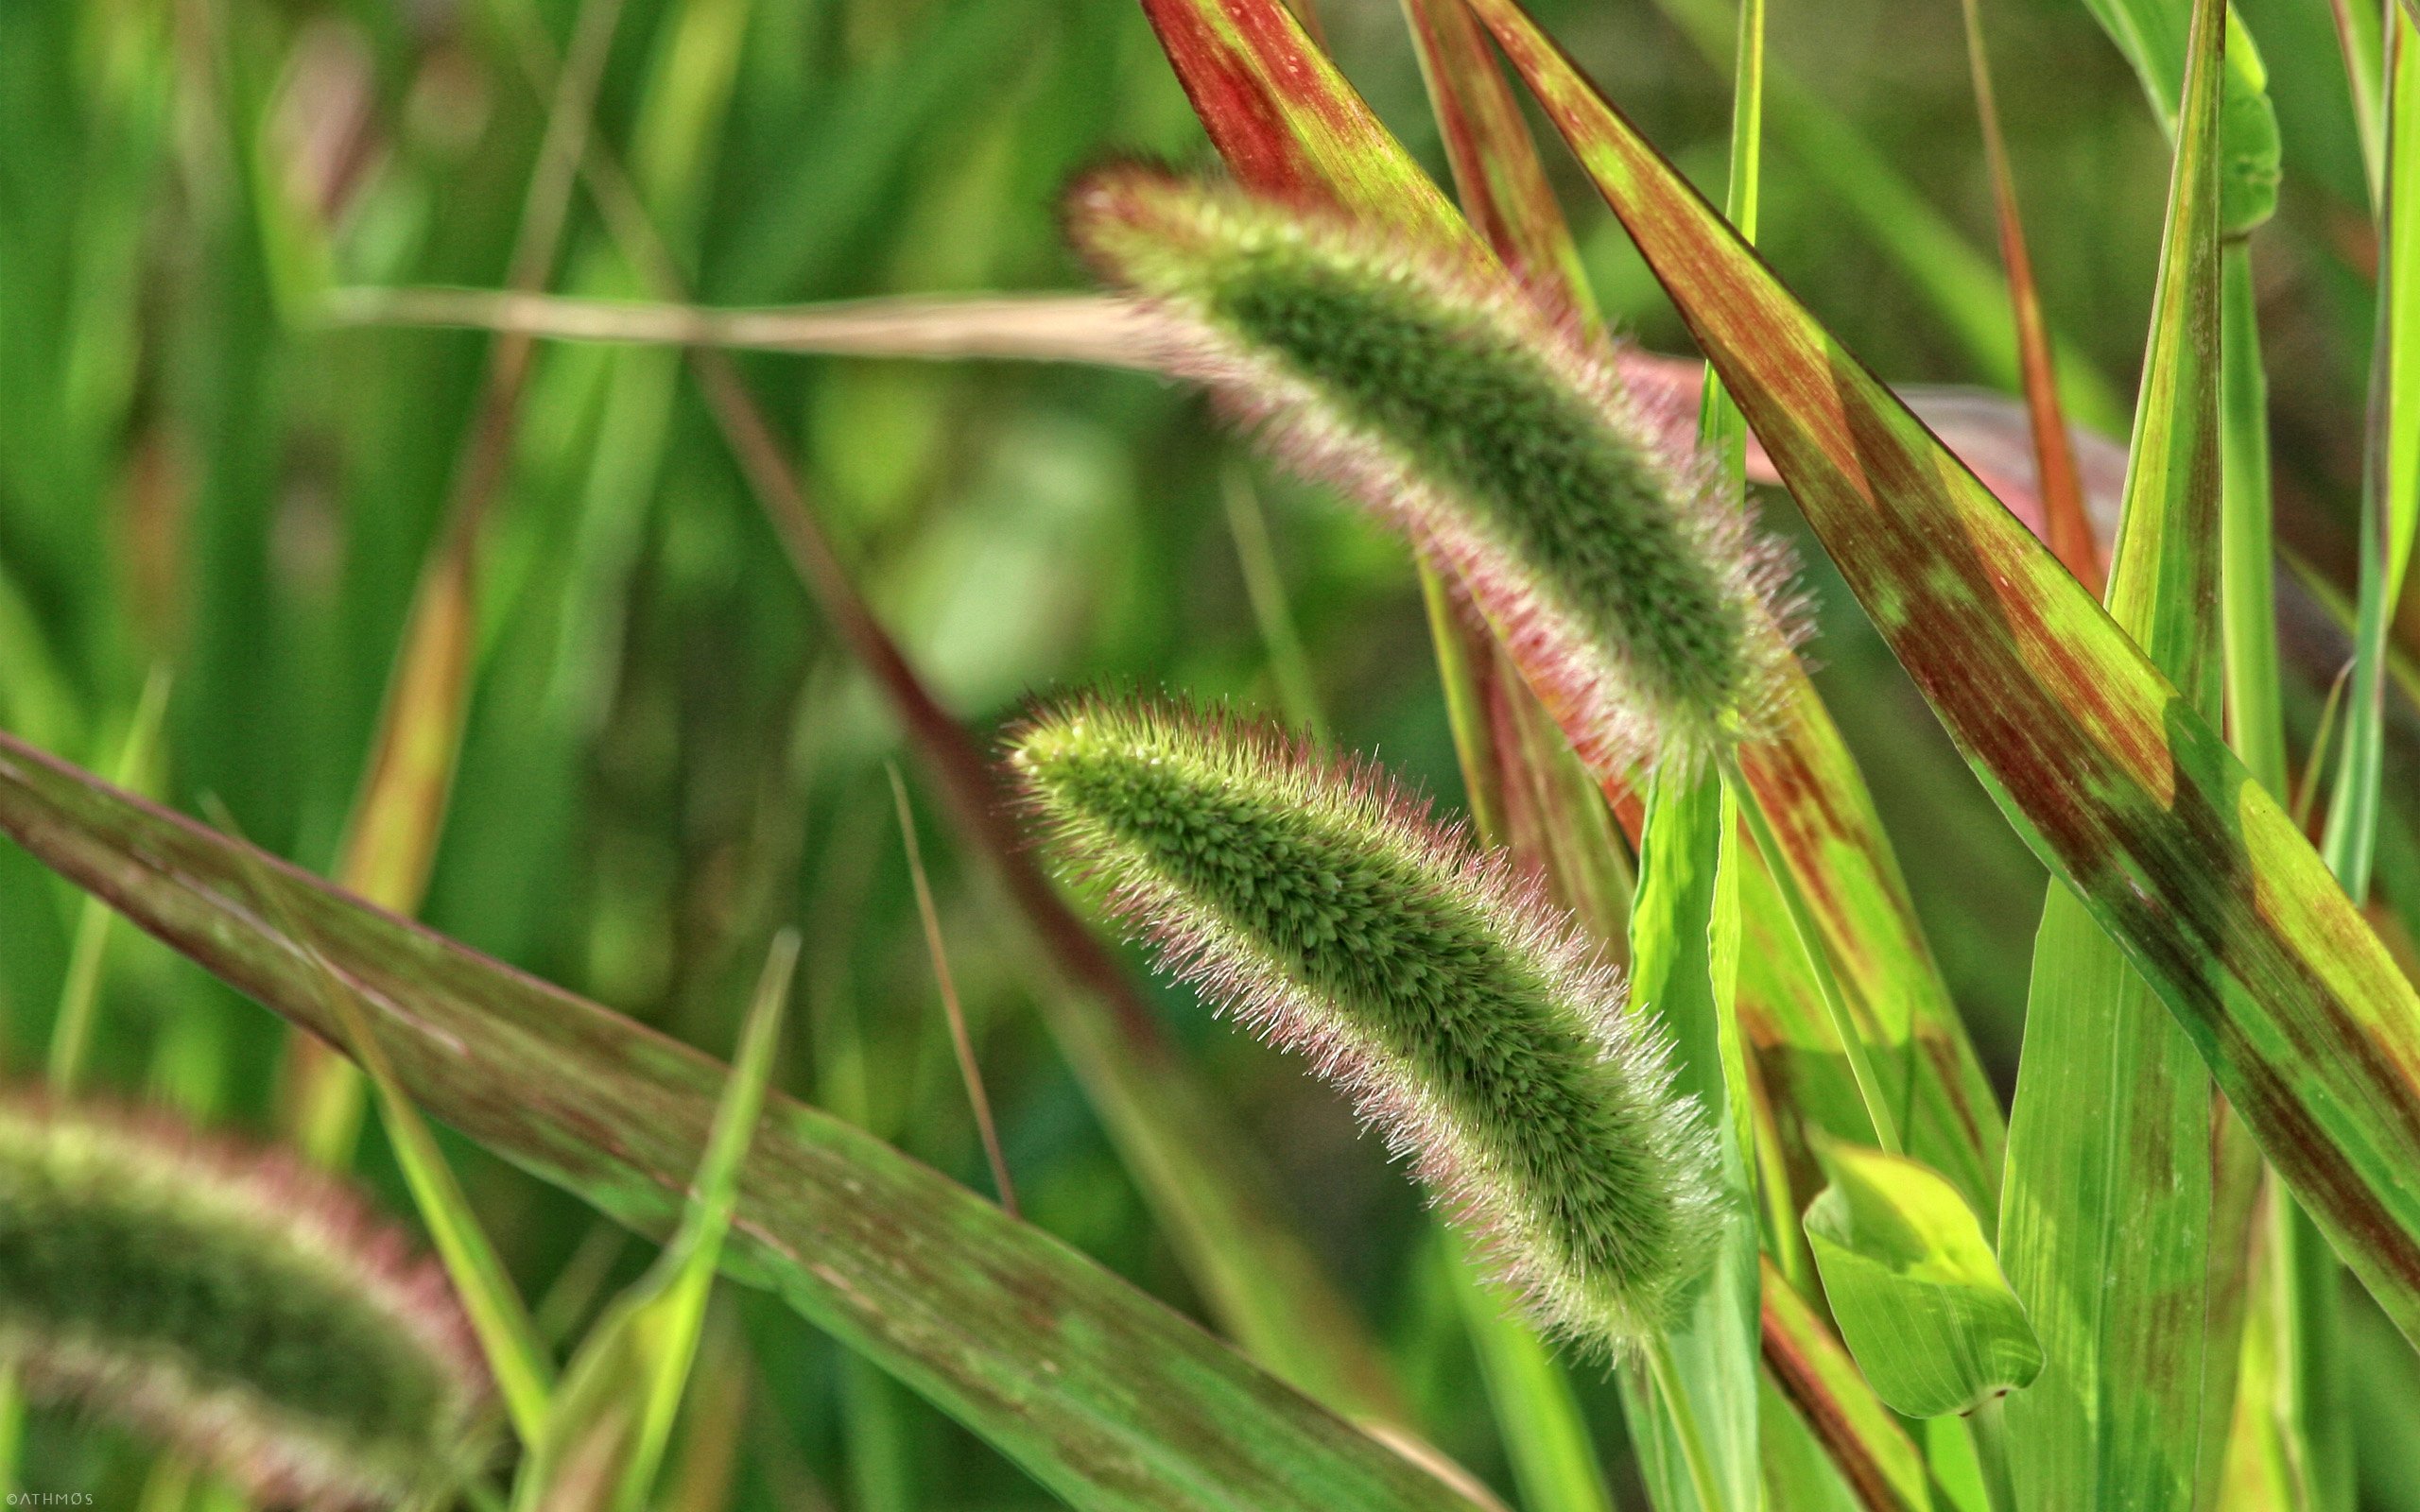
point(1466, 1016)
point(1627, 584)
point(234, 1304)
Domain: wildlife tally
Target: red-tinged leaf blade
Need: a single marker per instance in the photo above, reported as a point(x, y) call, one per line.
point(2121, 787)
point(1873, 1453)
point(1287, 123)
point(1107, 1398)
point(1500, 182)
point(2069, 529)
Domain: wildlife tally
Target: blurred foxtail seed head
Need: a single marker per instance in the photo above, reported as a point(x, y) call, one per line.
point(234, 1303)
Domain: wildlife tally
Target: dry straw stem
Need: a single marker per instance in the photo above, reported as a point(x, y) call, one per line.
point(1618, 566)
point(234, 1303)
point(1471, 1020)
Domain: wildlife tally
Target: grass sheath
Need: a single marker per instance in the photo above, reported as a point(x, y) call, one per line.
point(1320, 904)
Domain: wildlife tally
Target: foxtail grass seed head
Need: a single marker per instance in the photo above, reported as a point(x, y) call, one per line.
point(233, 1303)
point(1464, 1015)
point(1625, 577)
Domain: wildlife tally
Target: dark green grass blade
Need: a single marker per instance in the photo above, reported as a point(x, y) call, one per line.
point(1103, 1395)
point(2112, 776)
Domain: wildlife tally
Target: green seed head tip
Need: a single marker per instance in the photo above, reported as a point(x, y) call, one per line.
point(1324, 906)
point(1627, 581)
point(233, 1303)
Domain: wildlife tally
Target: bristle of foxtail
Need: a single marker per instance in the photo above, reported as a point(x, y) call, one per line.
point(1314, 899)
point(1623, 575)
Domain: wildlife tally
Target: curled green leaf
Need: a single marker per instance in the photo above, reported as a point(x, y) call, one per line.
point(1917, 1290)
point(1622, 573)
point(1468, 1018)
point(232, 1302)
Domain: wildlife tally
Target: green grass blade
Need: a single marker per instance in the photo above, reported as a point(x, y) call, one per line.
point(2389, 507)
point(1554, 1464)
point(1678, 963)
point(1290, 670)
point(2390, 492)
point(614, 1416)
point(2248, 587)
point(1684, 952)
point(71, 1033)
point(1106, 1397)
point(2069, 529)
point(2107, 772)
point(2114, 1168)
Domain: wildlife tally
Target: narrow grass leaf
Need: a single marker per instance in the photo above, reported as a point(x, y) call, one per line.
point(71, 1032)
point(969, 1071)
point(2113, 778)
point(2069, 533)
point(2256, 723)
point(1106, 1397)
point(1684, 934)
point(614, 1414)
point(1537, 1416)
point(2391, 483)
point(1921, 1301)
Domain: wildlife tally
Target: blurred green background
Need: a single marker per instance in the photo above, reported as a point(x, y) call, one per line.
point(668, 755)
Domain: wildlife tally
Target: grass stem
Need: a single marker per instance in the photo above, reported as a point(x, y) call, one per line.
point(968, 1067)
